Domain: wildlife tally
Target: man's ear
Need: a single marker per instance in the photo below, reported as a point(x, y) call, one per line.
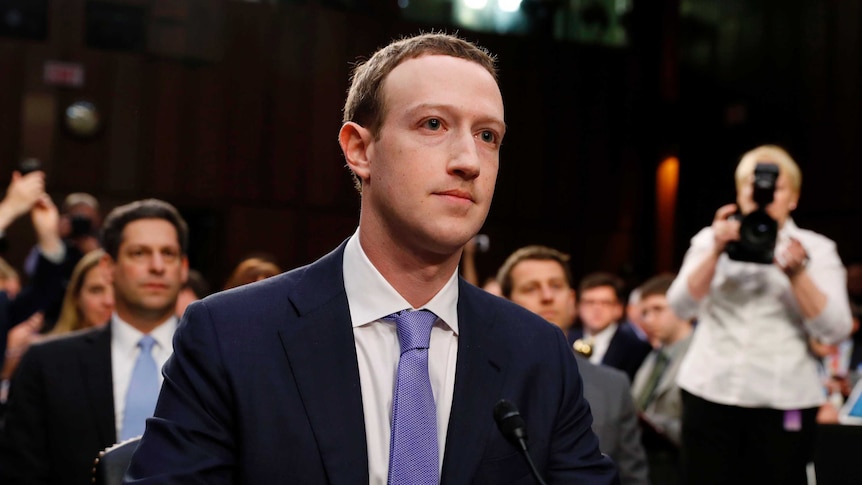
point(356, 144)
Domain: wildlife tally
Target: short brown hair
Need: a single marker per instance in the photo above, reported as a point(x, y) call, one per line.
point(657, 285)
point(530, 253)
point(596, 280)
point(120, 217)
point(364, 104)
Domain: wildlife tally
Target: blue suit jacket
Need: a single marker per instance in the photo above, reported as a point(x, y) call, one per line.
point(263, 387)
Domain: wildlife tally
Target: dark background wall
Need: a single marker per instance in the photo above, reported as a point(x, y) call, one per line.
point(230, 111)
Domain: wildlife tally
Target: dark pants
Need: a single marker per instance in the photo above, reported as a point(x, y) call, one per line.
point(734, 445)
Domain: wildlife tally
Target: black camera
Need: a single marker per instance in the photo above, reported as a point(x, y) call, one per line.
point(81, 225)
point(29, 165)
point(757, 231)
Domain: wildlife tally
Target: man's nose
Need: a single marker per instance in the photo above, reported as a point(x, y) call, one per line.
point(464, 160)
point(157, 263)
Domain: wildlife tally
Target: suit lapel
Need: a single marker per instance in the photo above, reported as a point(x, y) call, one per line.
point(96, 376)
point(478, 382)
point(322, 356)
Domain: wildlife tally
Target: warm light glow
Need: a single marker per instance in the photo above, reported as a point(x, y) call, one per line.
point(475, 4)
point(509, 5)
point(666, 187)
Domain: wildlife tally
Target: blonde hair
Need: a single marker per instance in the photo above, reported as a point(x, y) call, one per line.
point(71, 318)
point(769, 154)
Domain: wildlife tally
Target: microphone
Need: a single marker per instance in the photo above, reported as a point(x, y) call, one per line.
point(513, 427)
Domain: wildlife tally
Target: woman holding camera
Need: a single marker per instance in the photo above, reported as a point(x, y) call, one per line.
point(750, 385)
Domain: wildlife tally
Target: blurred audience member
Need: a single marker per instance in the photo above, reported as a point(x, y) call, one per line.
point(196, 288)
point(602, 337)
point(76, 394)
point(23, 193)
point(250, 270)
point(751, 387)
point(62, 240)
point(89, 299)
point(89, 302)
point(655, 391)
point(539, 279)
point(78, 226)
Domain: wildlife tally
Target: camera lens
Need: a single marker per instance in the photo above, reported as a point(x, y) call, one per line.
point(758, 230)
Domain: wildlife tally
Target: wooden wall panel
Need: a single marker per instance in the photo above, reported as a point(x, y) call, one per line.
point(249, 143)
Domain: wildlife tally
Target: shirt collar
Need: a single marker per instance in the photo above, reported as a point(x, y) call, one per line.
point(370, 297)
point(606, 334)
point(789, 228)
point(127, 336)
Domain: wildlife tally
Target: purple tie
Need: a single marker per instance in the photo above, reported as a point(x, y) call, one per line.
point(413, 452)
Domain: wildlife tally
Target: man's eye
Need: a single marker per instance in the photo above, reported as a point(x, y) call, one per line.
point(488, 136)
point(433, 124)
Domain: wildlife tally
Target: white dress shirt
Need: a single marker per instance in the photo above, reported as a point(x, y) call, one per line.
point(124, 354)
point(750, 346)
point(601, 342)
point(371, 298)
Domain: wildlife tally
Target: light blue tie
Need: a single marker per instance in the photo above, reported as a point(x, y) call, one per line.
point(143, 391)
point(413, 452)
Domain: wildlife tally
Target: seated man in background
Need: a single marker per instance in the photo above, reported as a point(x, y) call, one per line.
point(603, 338)
point(538, 278)
point(76, 394)
point(656, 394)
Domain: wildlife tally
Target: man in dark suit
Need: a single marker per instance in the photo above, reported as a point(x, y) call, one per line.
point(298, 378)
point(602, 336)
point(539, 279)
point(70, 396)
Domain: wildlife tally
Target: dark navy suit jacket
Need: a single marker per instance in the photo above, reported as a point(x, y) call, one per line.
point(626, 351)
point(263, 387)
point(61, 410)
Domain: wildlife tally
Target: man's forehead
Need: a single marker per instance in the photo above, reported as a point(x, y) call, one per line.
point(597, 290)
point(654, 300)
point(536, 268)
point(149, 231)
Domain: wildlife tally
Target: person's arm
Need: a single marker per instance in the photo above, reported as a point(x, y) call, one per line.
point(22, 194)
point(45, 290)
point(818, 282)
point(190, 439)
point(21, 336)
point(724, 230)
point(694, 279)
point(46, 222)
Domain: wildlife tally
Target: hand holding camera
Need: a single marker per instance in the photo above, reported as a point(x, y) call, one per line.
point(725, 227)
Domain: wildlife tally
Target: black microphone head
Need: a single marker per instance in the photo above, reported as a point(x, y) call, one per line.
point(510, 422)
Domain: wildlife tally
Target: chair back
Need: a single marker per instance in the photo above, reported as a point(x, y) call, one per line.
point(112, 462)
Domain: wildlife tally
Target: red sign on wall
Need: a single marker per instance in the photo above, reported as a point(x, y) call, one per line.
point(69, 74)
